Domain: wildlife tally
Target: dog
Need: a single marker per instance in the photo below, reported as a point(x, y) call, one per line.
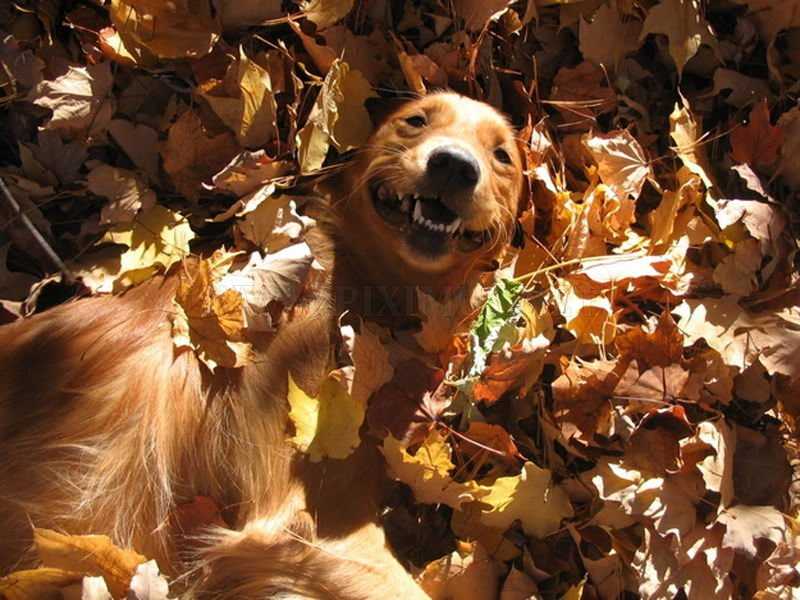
point(106, 428)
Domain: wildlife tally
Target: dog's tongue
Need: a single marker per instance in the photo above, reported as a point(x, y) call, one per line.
point(435, 211)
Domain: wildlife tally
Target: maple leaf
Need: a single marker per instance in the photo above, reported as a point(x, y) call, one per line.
point(758, 143)
point(439, 320)
point(622, 163)
point(76, 97)
point(428, 471)
point(682, 23)
point(608, 38)
point(742, 338)
point(211, 324)
point(245, 174)
point(191, 156)
point(156, 240)
point(532, 497)
point(590, 319)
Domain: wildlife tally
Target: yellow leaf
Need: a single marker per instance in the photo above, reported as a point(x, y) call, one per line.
point(156, 240)
point(686, 133)
point(88, 554)
point(251, 116)
point(177, 29)
point(353, 126)
point(338, 117)
point(325, 426)
point(428, 472)
point(211, 324)
point(530, 497)
point(471, 576)
point(36, 584)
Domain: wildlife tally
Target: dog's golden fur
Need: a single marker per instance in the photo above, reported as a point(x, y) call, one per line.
point(105, 428)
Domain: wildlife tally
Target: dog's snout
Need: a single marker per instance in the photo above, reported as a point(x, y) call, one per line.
point(453, 168)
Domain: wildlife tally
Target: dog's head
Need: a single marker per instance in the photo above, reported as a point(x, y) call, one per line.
point(436, 189)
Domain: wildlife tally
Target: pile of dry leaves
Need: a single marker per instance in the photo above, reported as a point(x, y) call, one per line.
point(616, 418)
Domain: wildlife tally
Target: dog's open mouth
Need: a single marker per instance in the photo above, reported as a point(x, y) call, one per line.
point(430, 226)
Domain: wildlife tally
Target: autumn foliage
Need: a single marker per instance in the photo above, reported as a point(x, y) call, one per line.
point(615, 413)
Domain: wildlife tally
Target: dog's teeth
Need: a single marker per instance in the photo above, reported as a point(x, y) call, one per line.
point(454, 225)
point(418, 211)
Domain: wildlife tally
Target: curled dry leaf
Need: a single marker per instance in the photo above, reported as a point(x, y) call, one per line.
point(339, 117)
point(209, 323)
point(279, 277)
point(180, 29)
point(251, 114)
point(88, 554)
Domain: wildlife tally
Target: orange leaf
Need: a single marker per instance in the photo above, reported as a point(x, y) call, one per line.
point(758, 142)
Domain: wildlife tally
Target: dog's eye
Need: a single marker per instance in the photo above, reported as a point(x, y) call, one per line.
point(416, 121)
point(503, 156)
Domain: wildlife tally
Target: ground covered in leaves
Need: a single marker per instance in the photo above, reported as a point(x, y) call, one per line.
point(618, 415)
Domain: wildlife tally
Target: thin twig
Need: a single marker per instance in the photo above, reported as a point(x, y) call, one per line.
point(69, 278)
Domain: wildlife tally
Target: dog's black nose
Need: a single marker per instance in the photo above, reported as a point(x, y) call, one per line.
point(451, 168)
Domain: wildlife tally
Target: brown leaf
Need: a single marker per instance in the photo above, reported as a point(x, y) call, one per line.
point(757, 143)
point(126, 193)
point(89, 554)
point(211, 324)
point(191, 157)
point(609, 37)
point(581, 94)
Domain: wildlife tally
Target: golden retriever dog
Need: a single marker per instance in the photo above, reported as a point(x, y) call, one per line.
point(106, 428)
